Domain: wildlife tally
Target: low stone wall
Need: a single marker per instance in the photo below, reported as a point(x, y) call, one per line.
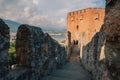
point(37, 54)
point(4, 46)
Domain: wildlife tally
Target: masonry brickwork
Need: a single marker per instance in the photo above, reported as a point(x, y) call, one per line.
point(83, 24)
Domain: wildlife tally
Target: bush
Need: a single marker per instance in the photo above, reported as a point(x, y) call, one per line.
point(12, 54)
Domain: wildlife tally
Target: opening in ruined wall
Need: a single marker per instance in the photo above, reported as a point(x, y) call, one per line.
point(12, 55)
point(12, 50)
point(75, 42)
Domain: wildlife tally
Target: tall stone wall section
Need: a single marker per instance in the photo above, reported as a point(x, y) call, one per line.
point(93, 56)
point(101, 55)
point(4, 46)
point(83, 24)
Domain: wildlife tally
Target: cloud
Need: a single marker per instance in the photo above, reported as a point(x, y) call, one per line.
point(44, 13)
point(35, 2)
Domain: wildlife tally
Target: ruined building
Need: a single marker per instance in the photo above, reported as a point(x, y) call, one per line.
point(83, 24)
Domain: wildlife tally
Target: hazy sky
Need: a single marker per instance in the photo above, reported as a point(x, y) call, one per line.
point(44, 12)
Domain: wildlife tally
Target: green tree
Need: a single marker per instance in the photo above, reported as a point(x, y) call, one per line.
point(12, 54)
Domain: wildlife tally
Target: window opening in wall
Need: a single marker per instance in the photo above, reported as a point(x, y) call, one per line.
point(76, 42)
point(97, 16)
point(77, 27)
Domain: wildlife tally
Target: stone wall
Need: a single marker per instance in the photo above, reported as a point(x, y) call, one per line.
point(4, 46)
point(112, 34)
point(83, 24)
point(37, 54)
point(93, 56)
point(101, 55)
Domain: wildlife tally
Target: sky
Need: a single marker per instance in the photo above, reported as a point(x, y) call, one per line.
point(44, 13)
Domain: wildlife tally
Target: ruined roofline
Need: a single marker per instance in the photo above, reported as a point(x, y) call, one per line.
point(86, 10)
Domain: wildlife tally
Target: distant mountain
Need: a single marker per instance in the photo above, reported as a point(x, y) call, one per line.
point(13, 25)
point(54, 30)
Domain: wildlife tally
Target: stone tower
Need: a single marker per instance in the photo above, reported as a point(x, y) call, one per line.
point(83, 24)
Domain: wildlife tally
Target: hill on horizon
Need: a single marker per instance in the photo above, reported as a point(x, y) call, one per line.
point(14, 26)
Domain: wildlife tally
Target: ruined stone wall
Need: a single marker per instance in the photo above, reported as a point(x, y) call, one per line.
point(93, 56)
point(4, 46)
point(101, 55)
point(84, 23)
point(112, 34)
point(37, 54)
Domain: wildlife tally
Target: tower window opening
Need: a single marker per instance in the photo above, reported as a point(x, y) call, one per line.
point(77, 27)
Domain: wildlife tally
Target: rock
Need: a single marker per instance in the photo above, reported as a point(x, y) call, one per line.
point(37, 54)
point(91, 58)
point(112, 34)
point(108, 66)
point(4, 46)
